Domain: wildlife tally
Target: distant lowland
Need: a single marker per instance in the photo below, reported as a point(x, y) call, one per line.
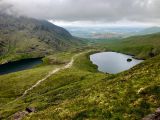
point(103, 32)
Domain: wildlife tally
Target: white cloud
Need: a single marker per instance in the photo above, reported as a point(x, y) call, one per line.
point(70, 11)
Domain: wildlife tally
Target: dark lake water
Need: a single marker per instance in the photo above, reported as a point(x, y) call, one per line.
point(112, 62)
point(19, 65)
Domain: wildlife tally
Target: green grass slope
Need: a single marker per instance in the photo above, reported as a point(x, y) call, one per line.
point(81, 92)
point(145, 46)
point(87, 95)
point(14, 84)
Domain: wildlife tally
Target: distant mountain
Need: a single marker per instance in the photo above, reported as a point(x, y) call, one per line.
point(22, 37)
point(150, 30)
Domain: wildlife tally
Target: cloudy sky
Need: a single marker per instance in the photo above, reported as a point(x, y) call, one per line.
point(87, 12)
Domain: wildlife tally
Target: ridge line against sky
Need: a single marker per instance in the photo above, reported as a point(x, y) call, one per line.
point(87, 12)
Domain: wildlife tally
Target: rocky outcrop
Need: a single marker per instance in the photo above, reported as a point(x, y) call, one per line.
point(21, 114)
point(129, 60)
point(154, 116)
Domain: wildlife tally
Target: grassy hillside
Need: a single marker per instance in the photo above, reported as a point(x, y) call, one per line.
point(145, 46)
point(22, 37)
point(81, 92)
point(85, 94)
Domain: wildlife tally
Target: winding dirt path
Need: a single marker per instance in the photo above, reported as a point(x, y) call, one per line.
point(68, 65)
point(21, 114)
point(51, 73)
point(39, 82)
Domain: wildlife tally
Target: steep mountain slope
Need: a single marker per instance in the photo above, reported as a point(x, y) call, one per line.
point(22, 37)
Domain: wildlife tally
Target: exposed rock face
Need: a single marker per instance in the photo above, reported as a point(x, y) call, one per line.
point(154, 116)
point(129, 60)
point(29, 109)
point(21, 114)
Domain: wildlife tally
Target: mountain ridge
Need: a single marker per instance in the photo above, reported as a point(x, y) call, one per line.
point(22, 37)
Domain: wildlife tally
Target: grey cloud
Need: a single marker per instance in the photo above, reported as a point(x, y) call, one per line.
point(4, 7)
point(85, 10)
